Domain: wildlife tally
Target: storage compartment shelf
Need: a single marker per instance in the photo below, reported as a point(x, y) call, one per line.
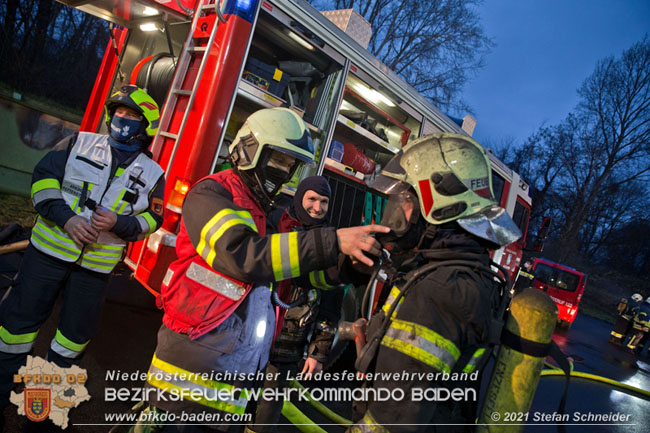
point(347, 130)
point(345, 174)
point(263, 98)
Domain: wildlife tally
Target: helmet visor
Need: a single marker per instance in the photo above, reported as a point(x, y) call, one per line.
point(401, 211)
point(390, 180)
point(492, 223)
point(300, 156)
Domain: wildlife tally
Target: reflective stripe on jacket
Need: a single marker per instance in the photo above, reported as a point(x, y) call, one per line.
point(87, 178)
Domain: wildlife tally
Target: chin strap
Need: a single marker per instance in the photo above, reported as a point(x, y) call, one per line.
point(254, 183)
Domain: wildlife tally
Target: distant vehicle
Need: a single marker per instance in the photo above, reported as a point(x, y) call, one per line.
point(565, 286)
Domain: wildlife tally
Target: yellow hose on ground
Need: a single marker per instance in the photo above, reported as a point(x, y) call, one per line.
point(320, 407)
point(299, 419)
point(558, 372)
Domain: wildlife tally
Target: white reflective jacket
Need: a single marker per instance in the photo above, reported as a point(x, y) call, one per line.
point(88, 179)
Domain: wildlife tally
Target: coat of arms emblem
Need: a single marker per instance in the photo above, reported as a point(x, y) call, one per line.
point(37, 404)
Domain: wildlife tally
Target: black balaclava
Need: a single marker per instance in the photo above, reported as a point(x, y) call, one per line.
point(317, 184)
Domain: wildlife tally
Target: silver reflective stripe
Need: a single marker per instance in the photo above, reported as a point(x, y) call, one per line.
point(424, 344)
point(144, 225)
point(52, 246)
point(214, 281)
point(286, 255)
point(46, 194)
point(63, 351)
point(168, 277)
point(15, 348)
point(211, 394)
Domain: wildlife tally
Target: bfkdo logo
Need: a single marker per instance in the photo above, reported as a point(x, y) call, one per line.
point(37, 404)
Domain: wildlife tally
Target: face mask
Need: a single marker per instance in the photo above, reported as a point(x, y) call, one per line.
point(274, 178)
point(123, 129)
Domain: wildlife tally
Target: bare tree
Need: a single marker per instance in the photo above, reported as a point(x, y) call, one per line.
point(612, 126)
point(435, 45)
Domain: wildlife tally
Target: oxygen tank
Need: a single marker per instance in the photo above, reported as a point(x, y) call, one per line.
point(515, 375)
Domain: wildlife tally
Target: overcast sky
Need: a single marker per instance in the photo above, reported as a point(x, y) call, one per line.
point(544, 51)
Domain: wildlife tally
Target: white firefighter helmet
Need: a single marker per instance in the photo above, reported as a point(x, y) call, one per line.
point(452, 178)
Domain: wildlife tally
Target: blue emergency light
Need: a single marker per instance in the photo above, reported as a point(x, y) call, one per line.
point(242, 8)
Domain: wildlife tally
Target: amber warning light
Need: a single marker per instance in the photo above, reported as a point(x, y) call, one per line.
point(177, 196)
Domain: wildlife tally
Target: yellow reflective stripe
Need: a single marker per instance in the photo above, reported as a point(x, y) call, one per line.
point(67, 243)
point(394, 292)
point(100, 259)
point(421, 343)
point(152, 222)
point(284, 256)
point(471, 364)
point(68, 248)
point(74, 204)
point(117, 200)
point(194, 378)
point(427, 334)
point(293, 254)
point(215, 228)
point(10, 338)
point(97, 266)
point(109, 247)
point(318, 280)
point(45, 184)
point(119, 172)
point(416, 352)
point(121, 209)
point(65, 342)
point(276, 257)
point(49, 247)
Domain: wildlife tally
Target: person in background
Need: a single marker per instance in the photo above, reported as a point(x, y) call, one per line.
point(640, 328)
point(315, 303)
point(218, 316)
point(626, 308)
point(525, 277)
point(93, 194)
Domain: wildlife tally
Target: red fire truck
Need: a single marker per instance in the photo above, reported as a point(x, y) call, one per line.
point(565, 286)
point(211, 65)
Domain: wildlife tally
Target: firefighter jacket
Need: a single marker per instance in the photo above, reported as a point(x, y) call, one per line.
point(642, 318)
point(524, 280)
point(223, 251)
point(82, 172)
point(629, 308)
point(318, 315)
point(441, 325)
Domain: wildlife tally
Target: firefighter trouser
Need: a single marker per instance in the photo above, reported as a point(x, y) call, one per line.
point(621, 328)
point(637, 335)
point(30, 302)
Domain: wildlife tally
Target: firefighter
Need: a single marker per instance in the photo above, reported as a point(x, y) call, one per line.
point(218, 321)
point(640, 327)
point(627, 308)
point(315, 305)
point(440, 200)
point(93, 193)
point(525, 277)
